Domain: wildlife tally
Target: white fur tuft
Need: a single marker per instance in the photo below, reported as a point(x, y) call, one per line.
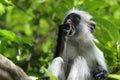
point(83, 14)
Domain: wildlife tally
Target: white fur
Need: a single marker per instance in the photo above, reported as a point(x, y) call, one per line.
point(57, 68)
point(81, 51)
point(84, 15)
point(79, 70)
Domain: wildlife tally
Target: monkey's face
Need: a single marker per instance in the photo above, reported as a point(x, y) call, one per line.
point(77, 24)
point(70, 24)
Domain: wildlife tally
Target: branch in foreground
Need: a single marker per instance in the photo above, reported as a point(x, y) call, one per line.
point(9, 71)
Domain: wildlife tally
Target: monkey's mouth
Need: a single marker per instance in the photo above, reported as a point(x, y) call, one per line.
point(69, 28)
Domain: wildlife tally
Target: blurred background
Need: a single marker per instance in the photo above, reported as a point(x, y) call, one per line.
point(28, 31)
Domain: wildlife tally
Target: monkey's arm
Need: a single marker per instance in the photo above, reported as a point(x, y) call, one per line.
point(62, 34)
point(101, 71)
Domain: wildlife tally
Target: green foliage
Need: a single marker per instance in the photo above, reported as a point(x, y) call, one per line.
point(2, 9)
point(7, 35)
point(117, 77)
point(28, 30)
point(52, 77)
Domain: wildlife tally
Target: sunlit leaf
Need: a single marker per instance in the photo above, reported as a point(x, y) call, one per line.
point(47, 45)
point(52, 77)
point(7, 35)
point(117, 14)
point(44, 26)
point(78, 2)
point(109, 27)
point(2, 9)
point(114, 76)
point(42, 1)
point(97, 4)
point(6, 2)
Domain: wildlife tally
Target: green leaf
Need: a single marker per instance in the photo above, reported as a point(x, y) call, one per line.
point(7, 35)
point(6, 2)
point(52, 77)
point(2, 9)
point(109, 27)
point(44, 26)
point(88, 4)
point(3, 46)
point(114, 76)
point(24, 39)
point(47, 45)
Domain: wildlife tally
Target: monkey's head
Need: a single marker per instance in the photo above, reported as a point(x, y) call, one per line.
point(78, 23)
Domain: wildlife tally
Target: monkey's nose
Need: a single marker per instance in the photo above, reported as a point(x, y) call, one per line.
point(69, 21)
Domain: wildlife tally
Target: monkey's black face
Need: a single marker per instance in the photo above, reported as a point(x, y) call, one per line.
point(70, 24)
point(73, 19)
point(75, 24)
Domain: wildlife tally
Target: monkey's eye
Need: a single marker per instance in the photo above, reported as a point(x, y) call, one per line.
point(76, 20)
point(93, 25)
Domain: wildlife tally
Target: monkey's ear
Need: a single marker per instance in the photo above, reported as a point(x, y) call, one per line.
point(92, 26)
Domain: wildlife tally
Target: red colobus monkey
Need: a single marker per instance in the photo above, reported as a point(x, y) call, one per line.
point(76, 56)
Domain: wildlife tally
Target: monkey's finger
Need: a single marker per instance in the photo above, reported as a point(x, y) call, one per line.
point(69, 21)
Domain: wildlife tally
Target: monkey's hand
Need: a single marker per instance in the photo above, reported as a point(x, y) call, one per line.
point(67, 29)
point(45, 78)
point(99, 74)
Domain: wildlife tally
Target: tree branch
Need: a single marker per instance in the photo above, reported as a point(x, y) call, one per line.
point(9, 71)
